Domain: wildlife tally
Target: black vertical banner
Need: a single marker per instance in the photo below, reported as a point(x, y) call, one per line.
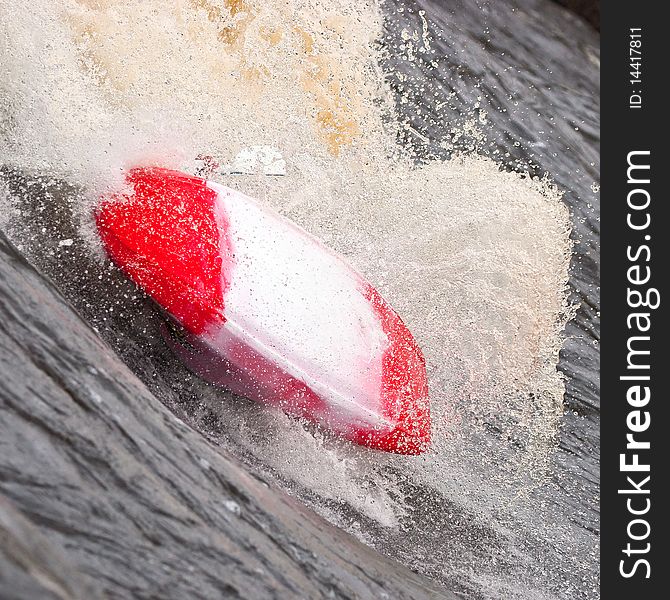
point(635, 453)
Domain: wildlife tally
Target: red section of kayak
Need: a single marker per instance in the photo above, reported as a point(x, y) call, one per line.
point(166, 238)
point(247, 373)
point(404, 388)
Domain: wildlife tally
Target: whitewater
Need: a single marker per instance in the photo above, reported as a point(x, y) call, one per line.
point(473, 257)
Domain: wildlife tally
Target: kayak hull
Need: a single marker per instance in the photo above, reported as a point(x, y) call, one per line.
point(266, 311)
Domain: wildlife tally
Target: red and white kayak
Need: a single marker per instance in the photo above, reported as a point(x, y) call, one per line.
point(267, 311)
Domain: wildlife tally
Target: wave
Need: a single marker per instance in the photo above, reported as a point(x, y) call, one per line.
point(473, 258)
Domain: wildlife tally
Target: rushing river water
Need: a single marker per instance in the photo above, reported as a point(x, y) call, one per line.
point(417, 136)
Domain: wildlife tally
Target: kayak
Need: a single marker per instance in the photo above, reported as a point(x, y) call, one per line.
point(265, 310)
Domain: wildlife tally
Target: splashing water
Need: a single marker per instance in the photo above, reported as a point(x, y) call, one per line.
point(473, 258)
